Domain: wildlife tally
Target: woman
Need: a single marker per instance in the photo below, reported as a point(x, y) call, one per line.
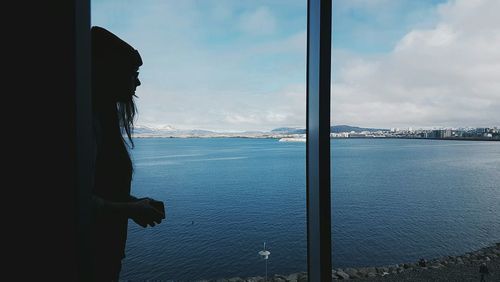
point(115, 66)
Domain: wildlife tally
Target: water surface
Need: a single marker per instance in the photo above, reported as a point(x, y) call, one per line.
point(393, 200)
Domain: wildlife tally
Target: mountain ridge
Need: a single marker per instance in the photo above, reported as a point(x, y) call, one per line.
point(170, 131)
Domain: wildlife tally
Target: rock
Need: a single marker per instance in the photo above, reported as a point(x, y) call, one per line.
point(235, 279)
point(354, 276)
point(352, 272)
point(302, 277)
point(362, 272)
point(342, 275)
point(371, 269)
point(293, 277)
point(278, 276)
point(255, 279)
point(489, 249)
point(381, 270)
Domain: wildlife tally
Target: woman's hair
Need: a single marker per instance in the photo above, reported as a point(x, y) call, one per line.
point(126, 114)
point(114, 62)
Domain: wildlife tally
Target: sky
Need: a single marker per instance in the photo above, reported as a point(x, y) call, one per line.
point(230, 65)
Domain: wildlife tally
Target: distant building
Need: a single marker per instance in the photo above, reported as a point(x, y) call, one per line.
point(439, 133)
point(445, 133)
point(354, 134)
point(434, 134)
point(482, 130)
point(339, 135)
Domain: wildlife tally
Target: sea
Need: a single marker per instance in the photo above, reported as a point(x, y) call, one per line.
point(393, 201)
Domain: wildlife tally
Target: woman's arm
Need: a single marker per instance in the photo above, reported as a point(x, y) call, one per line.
point(142, 211)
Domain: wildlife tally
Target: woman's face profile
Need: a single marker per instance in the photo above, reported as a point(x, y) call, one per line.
point(135, 81)
point(132, 83)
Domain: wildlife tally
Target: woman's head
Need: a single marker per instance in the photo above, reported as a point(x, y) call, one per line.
point(115, 70)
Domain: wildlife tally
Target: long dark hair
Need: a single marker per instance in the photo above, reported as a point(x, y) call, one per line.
point(126, 111)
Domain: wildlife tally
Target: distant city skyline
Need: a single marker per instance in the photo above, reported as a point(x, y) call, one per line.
point(172, 127)
point(226, 65)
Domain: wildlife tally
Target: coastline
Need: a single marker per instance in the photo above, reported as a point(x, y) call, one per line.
point(342, 138)
point(463, 267)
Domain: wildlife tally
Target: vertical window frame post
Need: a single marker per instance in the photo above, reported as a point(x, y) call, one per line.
point(319, 20)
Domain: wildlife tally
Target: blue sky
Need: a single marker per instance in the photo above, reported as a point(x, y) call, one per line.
point(240, 65)
point(375, 26)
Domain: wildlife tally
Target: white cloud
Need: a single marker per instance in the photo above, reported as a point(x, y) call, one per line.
point(284, 107)
point(259, 22)
point(271, 118)
point(448, 75)
point(200, 72)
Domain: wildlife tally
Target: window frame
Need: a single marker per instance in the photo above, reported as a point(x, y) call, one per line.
point(318, 69)
point(319, 25)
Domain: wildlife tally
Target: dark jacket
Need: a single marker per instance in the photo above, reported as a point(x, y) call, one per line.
point(112, 179)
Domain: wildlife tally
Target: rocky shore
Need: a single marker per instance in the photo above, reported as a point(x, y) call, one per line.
point(450, 268)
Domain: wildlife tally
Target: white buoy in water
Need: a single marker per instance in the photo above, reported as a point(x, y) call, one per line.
point(265, 254)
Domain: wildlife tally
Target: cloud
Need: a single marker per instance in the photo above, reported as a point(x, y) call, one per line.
point(446, 75)
point(206, 65)
point(258, 22)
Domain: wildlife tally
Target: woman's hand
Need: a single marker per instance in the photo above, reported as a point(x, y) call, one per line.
point(146, 211)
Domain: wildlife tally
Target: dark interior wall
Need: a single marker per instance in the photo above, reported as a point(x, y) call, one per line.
point(84, 145)
point(41, 188)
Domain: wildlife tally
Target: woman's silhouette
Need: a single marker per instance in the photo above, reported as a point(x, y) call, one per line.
point(115, 66)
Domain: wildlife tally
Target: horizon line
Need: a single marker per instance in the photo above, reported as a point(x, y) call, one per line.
point(162, 126)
